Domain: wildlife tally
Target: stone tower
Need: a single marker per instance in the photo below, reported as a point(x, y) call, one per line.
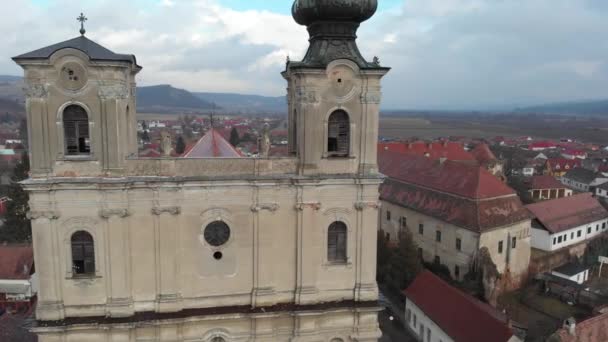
point(206, 249)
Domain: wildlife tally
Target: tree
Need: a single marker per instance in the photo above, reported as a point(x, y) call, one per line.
point(180, 145)
point(397, 267)
point(234, 137)
point(17, 227)
point(145, 136)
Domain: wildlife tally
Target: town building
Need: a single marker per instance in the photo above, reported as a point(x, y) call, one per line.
point(601, 191)
point(594, 329)
point(438, 312)
point(567, 221)
point(212, 145)
point(18, 279)
point(542, 146)
point(545, 187)
point(573, 153)
point(582, 179)
point(433, 150)
point(206, 249)
point(558, 167)
point(573, 271)
point(486, 158)
point(452, 211)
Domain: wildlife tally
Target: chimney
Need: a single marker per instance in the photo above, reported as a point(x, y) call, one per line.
point(442, 160)
point(570, 325)
point(430, 146)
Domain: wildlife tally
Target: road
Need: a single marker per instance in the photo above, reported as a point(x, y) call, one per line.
point(392, 330)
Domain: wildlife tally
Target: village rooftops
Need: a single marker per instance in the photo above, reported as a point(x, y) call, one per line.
point(16, 262)
point(563, 164)
point(465, 195)
point(483, 154)
point(581, 175)
point(212, 145)
point(433, 150)
point(568, 212)
point(544, 182)
point(571, 268)
point(594, 329)
point(462, 317)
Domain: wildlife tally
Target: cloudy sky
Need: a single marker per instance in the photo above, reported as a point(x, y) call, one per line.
point(445, 54)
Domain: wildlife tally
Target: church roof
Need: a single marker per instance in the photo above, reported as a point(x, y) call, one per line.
point(212, 145)
point(95, 51)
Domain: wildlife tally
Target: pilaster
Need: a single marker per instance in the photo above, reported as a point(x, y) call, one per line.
point(307, 254)
point(167, 226)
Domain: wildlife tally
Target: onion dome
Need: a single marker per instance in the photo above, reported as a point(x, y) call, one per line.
point(332, 26)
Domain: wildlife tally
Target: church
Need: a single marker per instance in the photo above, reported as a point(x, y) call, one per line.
point(206, 249)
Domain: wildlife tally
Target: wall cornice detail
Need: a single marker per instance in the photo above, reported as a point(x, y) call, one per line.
point(113, 91)
point(272, 207)
point(107, 213)
point(371, 97)
point(174, 210)
point(48, 214)
point(362, 205)
point(304, 95)
point(311, 205)
point(36, 91)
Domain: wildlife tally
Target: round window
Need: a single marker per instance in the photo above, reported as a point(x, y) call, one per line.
point(217, 233)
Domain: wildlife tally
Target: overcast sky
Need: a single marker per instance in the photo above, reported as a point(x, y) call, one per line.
point(445, 54)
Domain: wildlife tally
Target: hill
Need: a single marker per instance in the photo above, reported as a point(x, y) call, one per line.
point(246, 103)
point(166, 98)
point(595, 107)
point(11, 106)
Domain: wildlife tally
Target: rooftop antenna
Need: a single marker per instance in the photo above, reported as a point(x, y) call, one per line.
point(82, 19)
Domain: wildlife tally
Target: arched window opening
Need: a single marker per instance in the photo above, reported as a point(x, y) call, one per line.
point(336, 242)
point(83, 253)
point(76, 130)
point(338, 134)
point(218, 339)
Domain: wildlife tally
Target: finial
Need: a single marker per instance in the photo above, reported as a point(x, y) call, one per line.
point(82, 19)
point(376, 61)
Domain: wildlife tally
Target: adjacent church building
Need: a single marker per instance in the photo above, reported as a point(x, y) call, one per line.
point(206, 249)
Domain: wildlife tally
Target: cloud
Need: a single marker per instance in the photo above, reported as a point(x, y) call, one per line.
point(444, 53)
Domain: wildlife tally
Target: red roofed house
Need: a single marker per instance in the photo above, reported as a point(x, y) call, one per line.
point(452, 210)
point(572, 153)
point(558, 167)
point(434, 150)
point(486, 158)
point(18, 281)
point(436, 311)
point(541, 146)
point(546, 187)
point(566, 221)
point(594, 329)
point(212, 145)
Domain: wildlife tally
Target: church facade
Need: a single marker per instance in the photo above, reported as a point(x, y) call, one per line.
point(206, 249)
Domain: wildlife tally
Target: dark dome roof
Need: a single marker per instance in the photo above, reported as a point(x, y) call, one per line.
point(306, 12)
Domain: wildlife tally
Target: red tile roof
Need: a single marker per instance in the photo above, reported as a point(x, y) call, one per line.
point(563, 164)
point(465, 195)
point(212, 145)
point(568, 212)
point(545, 182)
point(456, 178)
point(594, 329)
point(434, 150)
point(16, 262)
point(542, 145)
point(483, 154)
point(462, 317)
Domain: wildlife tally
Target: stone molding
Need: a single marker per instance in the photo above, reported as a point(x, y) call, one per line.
point(362, 205)
point(174, 210)
point(304, 95)
point(47, 214)
point(311, 205)
point(36, 91)
point(113, 91)
point(272, 207)
point(107, 213)
point(371, 97)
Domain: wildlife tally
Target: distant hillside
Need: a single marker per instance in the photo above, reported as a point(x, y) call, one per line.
point(166, 97)
point(10, 106)
point(246, 103)
point(597, 107)
point(9, 78)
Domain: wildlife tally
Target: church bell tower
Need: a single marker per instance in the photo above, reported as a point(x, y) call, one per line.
point(334, 92)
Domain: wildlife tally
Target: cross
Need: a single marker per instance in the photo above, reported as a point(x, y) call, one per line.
point(82, 19)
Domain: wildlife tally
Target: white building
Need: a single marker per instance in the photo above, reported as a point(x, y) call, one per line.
point(567, 221)
point(572, 271)
point(470, 320)
point(18, 280)
point(583, 179)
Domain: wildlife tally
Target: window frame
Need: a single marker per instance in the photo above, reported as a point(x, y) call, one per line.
point(90, 260)
point(458, 244)
point(344, 136)
point(513, 242)
point(500, 246)
point(438, 235)
point(339, 240)
point(76, 121)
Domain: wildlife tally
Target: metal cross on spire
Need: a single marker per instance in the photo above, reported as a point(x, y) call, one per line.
point(82, 19)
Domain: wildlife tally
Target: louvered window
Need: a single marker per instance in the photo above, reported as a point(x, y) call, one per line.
point(76, 130)
point(336, 242)
point(83, 253)
point(338, 134)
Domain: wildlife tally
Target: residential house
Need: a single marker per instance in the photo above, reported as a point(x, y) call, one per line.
point(573, 153)
point(438, 312)
point(18, 280)
point(601, 192)
point(486, 158)
point(545, 187)
point(558, 167)
point(567, 221)
point(573, 271)
point(541, 146)
point(594, 329)
point(452, 210)
point(583, 179)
